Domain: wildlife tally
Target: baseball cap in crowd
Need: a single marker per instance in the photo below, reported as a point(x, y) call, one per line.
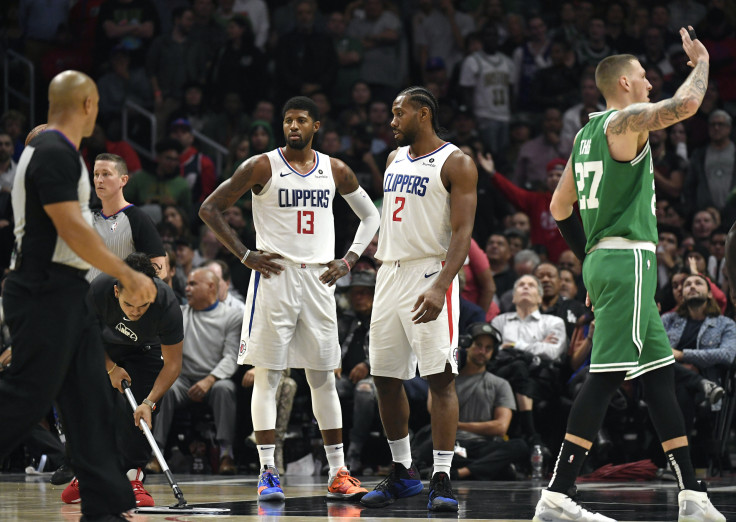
point(363, 278)
point(477, 329)
point(180, 123)
point(557, 163)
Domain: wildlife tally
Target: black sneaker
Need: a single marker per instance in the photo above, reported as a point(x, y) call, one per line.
point(62, 475)
point(441, 497)
point(400, 483)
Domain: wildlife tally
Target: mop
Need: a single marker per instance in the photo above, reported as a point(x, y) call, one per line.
point(181, 507)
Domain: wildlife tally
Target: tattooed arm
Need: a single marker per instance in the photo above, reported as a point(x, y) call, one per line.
point(644, 117)
point(251, 174)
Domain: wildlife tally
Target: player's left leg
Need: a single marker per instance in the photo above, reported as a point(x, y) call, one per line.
point(326, 407)
point(444, 411)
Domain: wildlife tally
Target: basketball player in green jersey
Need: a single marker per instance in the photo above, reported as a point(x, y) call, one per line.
point(611, 177)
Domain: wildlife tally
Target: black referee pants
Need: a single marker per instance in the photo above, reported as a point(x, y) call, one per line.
point(58, 354)
point(143, 364)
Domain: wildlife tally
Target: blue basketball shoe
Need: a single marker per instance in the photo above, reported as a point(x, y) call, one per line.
point(400, 483)
point(441, 497)
point(269, 486)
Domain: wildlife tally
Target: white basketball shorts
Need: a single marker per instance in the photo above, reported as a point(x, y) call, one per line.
point(290, 321)
point(397, 344)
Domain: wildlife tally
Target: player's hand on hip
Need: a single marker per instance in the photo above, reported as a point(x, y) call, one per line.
point(117, 376)
point(335, 270)
point(694, 49)
point(428, 306)
point(143, 411)
point(263, 262)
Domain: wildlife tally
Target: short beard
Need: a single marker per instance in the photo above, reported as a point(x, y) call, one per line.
point(695, 302)
point(301, 144)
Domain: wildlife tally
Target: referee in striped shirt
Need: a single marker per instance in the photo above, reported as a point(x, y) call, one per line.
point(124, 227)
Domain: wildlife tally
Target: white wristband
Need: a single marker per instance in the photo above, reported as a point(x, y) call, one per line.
point(247, 253)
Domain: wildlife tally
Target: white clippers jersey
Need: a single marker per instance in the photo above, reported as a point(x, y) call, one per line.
point(415, 218)
point(293, 213)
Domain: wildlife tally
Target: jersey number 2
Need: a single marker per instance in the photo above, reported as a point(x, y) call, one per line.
point(400, 202)
point(305, 222)
point(582, 172)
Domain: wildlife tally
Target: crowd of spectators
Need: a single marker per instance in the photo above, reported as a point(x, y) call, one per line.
point(515, 83)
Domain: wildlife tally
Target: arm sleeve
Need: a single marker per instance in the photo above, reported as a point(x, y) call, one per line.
point(369, 219)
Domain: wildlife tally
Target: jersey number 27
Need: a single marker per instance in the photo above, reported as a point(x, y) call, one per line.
point(585, 172)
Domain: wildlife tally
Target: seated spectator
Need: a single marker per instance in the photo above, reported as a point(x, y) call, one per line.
point(470, 312)
point(225, 294)
point(187, 257)
point(211, 339)
point(589, 96)
point(568, 285)
point(261, 137)
point(178, 219)
point(517, 238)
point(14, 123)
point(499, 257)
point(669, 168)
point(534, 204)
point(716, 261)
point(121, 84)
point(7, 164)
point(354, 383)
point(165, 186)
point(531, 343)
point(702, 340)
point(668, 259)
point(486, 406)
point(569, 310)
point(524, 263)
point(197, 168)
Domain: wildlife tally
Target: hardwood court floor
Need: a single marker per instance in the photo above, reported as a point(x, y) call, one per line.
point(29, 498)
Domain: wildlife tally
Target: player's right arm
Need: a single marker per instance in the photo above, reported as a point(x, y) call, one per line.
point(644, 117)
point(252, 173)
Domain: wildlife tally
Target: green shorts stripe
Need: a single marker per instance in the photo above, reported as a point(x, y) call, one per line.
point(629, 335)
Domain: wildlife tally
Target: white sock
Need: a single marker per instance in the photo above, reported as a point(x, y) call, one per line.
point(265, 455)
point(401, 451)
point(134, 474)
point(442, 461)
point(335, 458)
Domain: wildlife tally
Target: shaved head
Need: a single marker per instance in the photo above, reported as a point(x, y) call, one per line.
point(609, 71)
point(206, 275)
point(35, 132)
point(73, 100)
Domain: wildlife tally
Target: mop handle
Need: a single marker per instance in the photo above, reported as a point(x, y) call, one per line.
point(154, 446)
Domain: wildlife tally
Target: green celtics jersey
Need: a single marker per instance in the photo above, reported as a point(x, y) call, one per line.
point(616, 198)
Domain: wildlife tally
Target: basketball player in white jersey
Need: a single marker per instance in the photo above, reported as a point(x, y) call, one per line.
point(429, 198)
point(290, 316)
